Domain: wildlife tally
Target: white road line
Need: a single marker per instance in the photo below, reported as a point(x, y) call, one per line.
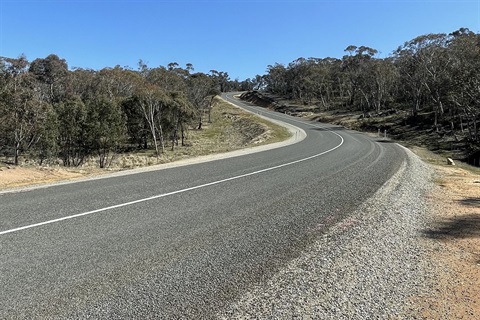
point(174, 192)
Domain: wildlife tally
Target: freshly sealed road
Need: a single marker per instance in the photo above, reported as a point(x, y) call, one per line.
point(181, 242)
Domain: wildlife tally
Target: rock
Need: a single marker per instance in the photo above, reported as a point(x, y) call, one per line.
point(450, 162)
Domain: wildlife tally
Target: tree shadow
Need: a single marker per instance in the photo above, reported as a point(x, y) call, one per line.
point(467, 226)
point(471, 202)
point(337, 128)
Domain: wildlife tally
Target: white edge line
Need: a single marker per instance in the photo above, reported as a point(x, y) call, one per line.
point(175, 192)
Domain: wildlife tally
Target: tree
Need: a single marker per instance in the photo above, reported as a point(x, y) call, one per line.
point(385, 75)
point(153, 102)
point(106, 128)
point(276, 79)
point(46, 147)
point(138, 131)
point(201, 88)
point(171, 79)
point(258, 83)
point(425, 66)
point(182, 112)
point(72, 139)
point(22, 111)
point(465, 71)
point(221, 79)
point(52, 73)
point(116, 83)
point(358, 70)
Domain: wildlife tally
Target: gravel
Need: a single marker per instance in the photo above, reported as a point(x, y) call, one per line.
point(368, 266)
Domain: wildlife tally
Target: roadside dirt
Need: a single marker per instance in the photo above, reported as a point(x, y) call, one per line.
point(453, 240)
point(11, 176)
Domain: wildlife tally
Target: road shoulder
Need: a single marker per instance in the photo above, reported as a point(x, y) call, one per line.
point(367, 266)
point(452, 239)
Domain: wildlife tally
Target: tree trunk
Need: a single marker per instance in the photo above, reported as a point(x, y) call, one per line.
point(162, 140)
point(182, 129)
point(17, 154)
point(200, 119)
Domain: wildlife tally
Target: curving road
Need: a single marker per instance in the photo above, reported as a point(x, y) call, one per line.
point(181, 242)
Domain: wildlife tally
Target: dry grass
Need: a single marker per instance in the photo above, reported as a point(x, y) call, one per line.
point(231, 129)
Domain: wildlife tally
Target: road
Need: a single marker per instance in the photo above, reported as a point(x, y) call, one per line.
point(181, 242)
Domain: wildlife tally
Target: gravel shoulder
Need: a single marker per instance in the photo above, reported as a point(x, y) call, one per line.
point(368, 266)
point(409, 252)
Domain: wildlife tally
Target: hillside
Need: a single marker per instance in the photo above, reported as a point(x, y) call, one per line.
point(397, 125)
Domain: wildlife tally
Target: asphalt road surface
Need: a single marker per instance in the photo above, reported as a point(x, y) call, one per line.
point(181, 242)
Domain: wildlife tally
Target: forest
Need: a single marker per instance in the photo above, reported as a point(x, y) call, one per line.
point(49, 111)
point(434, 77)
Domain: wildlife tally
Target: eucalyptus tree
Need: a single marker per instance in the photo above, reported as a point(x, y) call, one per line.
point(328, 81)
point(47, 148)
point(221, 79)
point(258, 83)
point(171, 79)
point(106, 128)
point(376, 80)
point(73, 136)
point(117, 83)
point(153, 102)
point(298, 81)
point(424, 68)
point(86, 84)
point(182, 112)
point(23, 113)
point(138, 131)
point(4, 83)
point(201, 90)
point(276, 79)
point(385, 77)
point(357, 68)
point(52, 72)
point(464, 93)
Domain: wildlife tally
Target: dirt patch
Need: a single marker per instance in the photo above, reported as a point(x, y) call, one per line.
point(11, 176)
point(453, 240)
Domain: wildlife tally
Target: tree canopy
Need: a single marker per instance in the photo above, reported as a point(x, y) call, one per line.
point(434, 74)
point(48, 111)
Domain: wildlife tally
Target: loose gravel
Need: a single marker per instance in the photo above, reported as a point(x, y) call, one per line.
point(366, 267)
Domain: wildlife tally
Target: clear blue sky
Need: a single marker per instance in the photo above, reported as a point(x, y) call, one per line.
point(240, 37)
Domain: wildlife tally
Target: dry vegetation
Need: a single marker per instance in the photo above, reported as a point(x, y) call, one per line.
point(230, 129)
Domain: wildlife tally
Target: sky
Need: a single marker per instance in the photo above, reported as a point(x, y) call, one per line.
point(239, 37)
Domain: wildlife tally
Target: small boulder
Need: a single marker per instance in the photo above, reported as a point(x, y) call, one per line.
point(450, 162)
